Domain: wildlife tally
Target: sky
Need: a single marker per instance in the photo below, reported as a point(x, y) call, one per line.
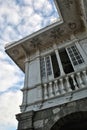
point(18, 19)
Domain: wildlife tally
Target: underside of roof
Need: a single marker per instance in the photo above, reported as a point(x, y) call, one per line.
point(72, 20)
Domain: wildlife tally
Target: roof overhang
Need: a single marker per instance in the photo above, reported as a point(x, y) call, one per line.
point(72, 20)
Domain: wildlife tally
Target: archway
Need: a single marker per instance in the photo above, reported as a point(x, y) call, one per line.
point(74, 121)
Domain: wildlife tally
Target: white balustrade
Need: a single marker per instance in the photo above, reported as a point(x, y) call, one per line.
point(51, 93)
point(84, 76)
point(62, 91)
point(65, 84)
point(56, 88)
point(45, 91)
point(79, 80)
point(74, 82)
point(68, 86)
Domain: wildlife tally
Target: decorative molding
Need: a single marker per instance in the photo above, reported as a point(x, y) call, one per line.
point(57, 33)
point(68, 3)
point(15, 52)
point(35, 42)
point(72, 26)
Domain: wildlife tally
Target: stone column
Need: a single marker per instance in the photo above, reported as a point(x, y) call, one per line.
point(59, 61)
point(24, 90)
point(26, 73)
point(25, 121)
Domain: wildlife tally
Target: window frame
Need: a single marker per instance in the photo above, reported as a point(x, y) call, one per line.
point(47, 76)
point(78, 65)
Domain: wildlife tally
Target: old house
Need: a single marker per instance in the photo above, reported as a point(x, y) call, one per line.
point(54, 60)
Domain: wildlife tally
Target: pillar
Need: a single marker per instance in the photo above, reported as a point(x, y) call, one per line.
point(59, 61)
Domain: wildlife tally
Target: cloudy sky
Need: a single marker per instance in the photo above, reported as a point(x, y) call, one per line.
point(18, 18)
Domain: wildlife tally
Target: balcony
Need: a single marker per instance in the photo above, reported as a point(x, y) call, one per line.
point(69, 83)
point(64, 89)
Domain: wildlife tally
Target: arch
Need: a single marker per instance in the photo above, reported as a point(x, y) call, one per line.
point(67, 112)
point(77, 120)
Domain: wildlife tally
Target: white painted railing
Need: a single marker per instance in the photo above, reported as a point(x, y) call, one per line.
point(64, 84)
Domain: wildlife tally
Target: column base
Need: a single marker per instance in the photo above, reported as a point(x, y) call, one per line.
point(25, 120)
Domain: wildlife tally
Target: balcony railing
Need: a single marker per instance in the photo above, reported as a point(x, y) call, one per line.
point(64, 84)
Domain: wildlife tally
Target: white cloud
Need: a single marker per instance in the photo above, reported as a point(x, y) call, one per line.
point(26, 18)
point(9, 106)
point(10, 34)
point(30, 24)
point(39, 4)
point(9, 75)
point(28, 2)
point(10, 12)
point(44, 6)
point(26, 11)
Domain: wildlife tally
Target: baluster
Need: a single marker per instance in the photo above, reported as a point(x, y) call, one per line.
point(68, 87)
point(61, 86)
point(74, 82)
point(84, 76)
point(51, 90)
point(80, 82)
point(56, 89)
point(45, 92)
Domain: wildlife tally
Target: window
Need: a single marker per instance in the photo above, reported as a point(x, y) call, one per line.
point(55, 65)
point(43, 70)
point(71, 60)
point(75, 55)
point(66, 63)
point(49, 67)
point(46, 68)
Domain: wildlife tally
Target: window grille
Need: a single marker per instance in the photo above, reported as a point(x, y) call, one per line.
point(75, 55)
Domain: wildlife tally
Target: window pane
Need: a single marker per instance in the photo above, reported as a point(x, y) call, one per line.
point(75, 55)
point(48, 65)
point(42, 63)
point(75, 63)
point(45, 65)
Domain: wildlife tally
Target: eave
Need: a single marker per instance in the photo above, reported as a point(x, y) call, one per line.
point(72, 21)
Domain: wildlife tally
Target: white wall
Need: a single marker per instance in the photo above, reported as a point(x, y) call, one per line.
point(34, 73)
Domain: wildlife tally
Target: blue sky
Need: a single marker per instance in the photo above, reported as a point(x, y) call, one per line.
point(18, 18)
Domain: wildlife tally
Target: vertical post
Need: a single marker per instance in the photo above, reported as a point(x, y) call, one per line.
point(45, 91)
point(56, 88)
point(26, 73)
point(24, 102)
point(51, 89)
point(74, 82)
point(84, 76)
point(80, 82)
point(59, 61)
point(40, 90)
point(68, 87)
point(62, 89)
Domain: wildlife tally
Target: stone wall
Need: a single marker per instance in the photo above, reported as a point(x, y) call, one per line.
point(45, 119)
